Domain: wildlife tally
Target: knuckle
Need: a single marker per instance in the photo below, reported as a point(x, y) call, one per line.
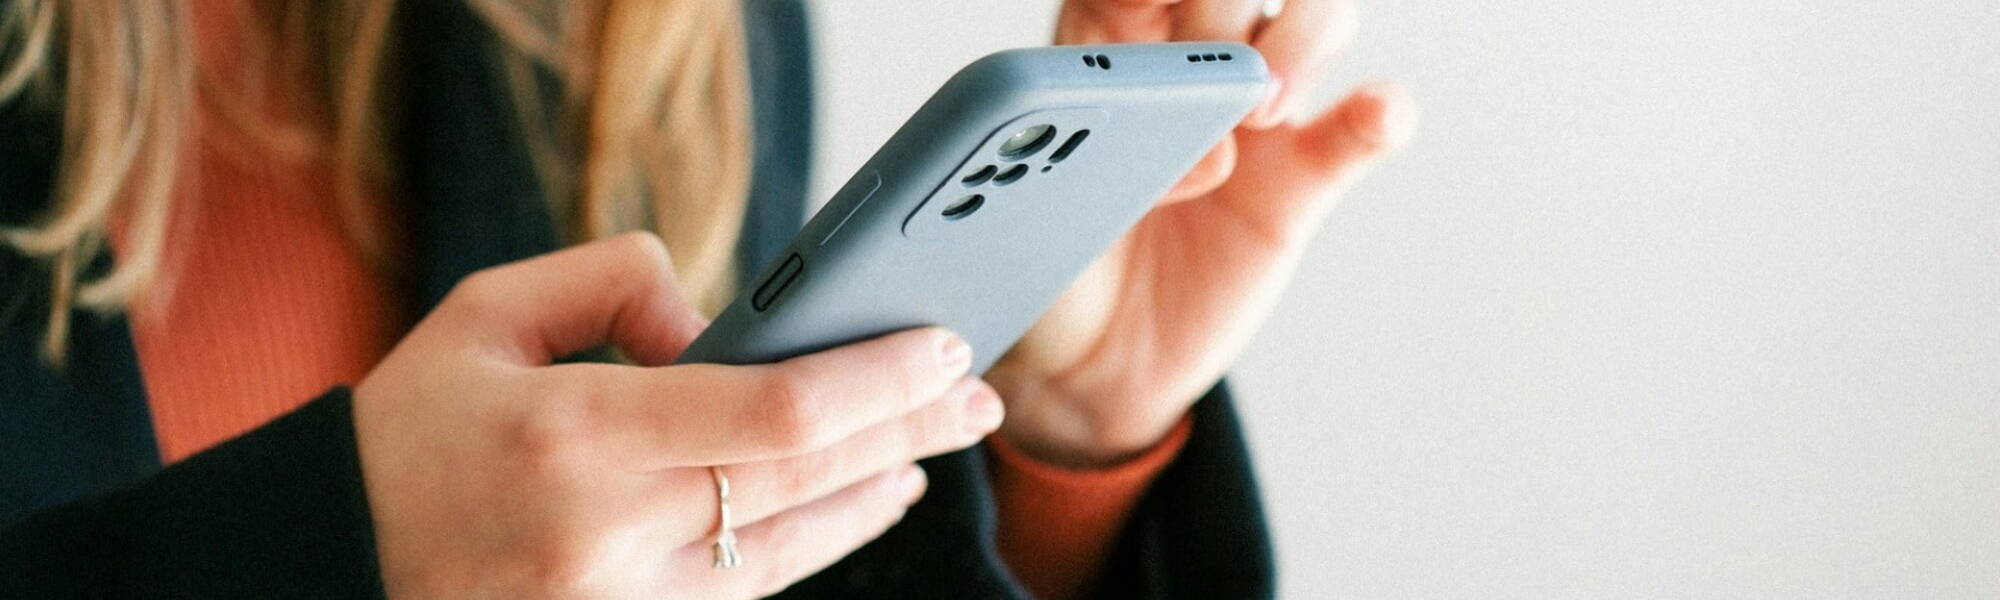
point(933, 429)
point(789, 412)
point(801, 482)
point(476, 294)
point(916, 371)
point(646, 260)
point(539, 449)
point(544, 438)
point(644, 246)
point(559, 567)
point(480, 283)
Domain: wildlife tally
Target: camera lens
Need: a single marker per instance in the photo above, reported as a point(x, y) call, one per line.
point(1027, 142)
point(963, 207)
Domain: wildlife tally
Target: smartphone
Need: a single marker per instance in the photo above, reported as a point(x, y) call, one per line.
point(1017, 174)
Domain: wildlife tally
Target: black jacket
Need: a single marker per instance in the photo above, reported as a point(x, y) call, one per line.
point(88, 511)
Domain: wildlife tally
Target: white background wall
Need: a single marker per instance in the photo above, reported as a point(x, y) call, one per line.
point(1668, 299)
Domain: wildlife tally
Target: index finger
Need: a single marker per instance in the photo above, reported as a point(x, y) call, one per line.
point(1113, 21)
point(620, 289)
point(1216, 20)
point(1297, 44)
point(706, 414)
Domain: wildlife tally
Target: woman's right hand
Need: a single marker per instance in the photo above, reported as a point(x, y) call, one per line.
point(490, 472)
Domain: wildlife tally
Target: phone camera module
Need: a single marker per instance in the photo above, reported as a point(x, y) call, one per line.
point(1027, 142)
point(1010, 175)
point(963, 207)
point(980, 176)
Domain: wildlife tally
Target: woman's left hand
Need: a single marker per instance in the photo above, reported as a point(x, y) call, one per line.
point(1118, 360)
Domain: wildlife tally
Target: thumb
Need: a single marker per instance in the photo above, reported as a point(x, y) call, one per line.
point(1288, 177)
point(620, 290)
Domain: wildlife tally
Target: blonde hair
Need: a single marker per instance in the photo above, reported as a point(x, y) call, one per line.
point(652, 128)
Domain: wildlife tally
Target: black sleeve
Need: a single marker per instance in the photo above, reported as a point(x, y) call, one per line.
point(281, 512)
point(1199, 532)
point(278, 512)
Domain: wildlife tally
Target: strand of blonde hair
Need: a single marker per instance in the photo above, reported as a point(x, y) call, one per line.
point(122, 122)
point(658, 89)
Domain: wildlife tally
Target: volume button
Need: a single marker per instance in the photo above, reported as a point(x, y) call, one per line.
point(778, 281)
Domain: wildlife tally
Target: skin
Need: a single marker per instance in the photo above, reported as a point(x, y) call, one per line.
point(492, 473)
point(1149, 327)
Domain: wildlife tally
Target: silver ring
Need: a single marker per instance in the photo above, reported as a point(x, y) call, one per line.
point(726, 556)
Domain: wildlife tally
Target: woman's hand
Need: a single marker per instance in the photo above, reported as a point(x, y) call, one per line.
point(490, 472)
point(1131, 345)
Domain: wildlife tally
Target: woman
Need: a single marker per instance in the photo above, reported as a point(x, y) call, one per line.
point(250, 204)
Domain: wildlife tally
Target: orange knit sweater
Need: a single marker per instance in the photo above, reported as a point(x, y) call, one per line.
point(265, 303)
point(262, 303)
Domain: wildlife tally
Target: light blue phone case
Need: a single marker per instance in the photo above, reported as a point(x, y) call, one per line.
point(974, 218)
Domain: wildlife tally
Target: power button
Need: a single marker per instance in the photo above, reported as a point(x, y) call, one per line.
point(777, 282)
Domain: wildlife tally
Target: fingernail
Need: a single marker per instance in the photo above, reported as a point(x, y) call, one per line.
point(983, 411)
point(953, 352)
point(911, 482)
